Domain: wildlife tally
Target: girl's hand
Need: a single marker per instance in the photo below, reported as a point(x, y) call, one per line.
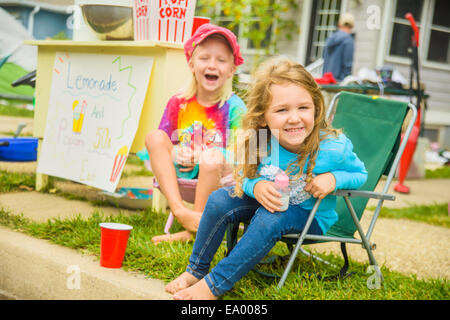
point(321, 185)
point(184, 156)
point(267, 195)
point(186, 168)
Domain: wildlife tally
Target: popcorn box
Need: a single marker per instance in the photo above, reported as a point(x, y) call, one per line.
point(164, 20)
point(141, 15)
point(172, 20)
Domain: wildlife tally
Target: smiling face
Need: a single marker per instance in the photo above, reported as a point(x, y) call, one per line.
point(212, 64)
point(290, 115)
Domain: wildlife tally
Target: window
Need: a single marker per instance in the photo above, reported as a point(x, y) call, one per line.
point(324, 19)
point(433, 19)
point(402, 32)
point(438, 48)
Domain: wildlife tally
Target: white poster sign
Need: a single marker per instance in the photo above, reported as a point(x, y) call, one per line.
point(93, 115)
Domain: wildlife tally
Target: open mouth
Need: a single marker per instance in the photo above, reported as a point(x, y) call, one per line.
point(211, 77)
point(294, 130)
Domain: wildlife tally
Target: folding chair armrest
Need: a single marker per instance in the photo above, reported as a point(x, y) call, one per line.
point(364, 194)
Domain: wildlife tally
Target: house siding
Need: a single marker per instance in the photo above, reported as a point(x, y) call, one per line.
point(366, 39)
point(288, 47)
point(50, 24)
point(46, 23)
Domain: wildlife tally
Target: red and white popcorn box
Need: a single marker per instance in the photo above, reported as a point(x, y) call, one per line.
point(171, 20)
point(141, 18)
point(163, 20)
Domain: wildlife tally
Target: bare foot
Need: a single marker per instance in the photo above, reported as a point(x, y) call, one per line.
point(184, 236)
point(198, 291)
point(188, 218)
point(185, 280)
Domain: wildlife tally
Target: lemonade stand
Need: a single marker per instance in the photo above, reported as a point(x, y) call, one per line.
point(97, 100)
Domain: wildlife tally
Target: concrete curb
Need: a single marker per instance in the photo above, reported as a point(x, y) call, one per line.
point(37, 269)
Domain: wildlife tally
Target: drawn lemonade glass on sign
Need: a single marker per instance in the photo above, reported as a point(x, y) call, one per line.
point(78, 115)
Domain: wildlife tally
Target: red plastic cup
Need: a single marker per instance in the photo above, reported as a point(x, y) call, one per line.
point(113, 243)
point(198, 21)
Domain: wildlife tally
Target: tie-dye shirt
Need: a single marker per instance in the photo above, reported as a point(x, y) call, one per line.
point(184, 120)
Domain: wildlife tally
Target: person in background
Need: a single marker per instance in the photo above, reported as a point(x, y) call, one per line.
point(339, 49)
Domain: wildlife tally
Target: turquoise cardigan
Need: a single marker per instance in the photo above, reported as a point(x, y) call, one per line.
point(335, 155)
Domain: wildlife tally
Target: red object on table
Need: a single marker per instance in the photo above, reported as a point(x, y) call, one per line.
point(198, 21)
point(327, 78)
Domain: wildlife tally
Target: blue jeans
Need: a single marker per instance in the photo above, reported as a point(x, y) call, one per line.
point(263, 232)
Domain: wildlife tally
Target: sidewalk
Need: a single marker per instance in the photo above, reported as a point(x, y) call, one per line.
point(9, 124)
point(422, 192)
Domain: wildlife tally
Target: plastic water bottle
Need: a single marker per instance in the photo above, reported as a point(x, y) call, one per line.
point(282, 185)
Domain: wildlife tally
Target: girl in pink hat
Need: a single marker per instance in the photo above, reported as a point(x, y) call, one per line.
point(196, 128)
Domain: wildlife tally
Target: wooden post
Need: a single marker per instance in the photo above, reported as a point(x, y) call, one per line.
point(41, 179)
point(159, 202)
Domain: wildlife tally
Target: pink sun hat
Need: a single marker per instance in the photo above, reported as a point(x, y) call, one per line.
point(205, 31)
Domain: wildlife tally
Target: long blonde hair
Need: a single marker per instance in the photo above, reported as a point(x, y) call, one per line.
point(279, 71)
point(227, 89)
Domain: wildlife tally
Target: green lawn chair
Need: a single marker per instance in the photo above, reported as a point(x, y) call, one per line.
point(374, 126)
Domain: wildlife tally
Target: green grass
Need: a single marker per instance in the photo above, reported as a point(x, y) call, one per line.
point(14, 111)
point(436, 214)
point(167, 260)
point(12, 181)
point(136, 161)
point(9, 73)
point(440, 173)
